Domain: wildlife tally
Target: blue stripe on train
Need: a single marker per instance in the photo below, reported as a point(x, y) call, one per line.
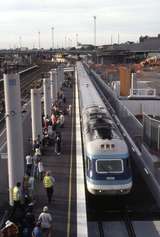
point(111, 155)
point(110, 182)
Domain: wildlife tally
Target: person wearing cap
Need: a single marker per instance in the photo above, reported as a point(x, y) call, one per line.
point(10, 230)
point(45, 219)
point(48, 182)
point(29, 162)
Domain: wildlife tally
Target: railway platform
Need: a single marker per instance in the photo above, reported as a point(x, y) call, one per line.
point(68, 205)
point(63, 168)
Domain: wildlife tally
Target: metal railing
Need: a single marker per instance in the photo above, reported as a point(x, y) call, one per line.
point(151, 133)
point(143, 92)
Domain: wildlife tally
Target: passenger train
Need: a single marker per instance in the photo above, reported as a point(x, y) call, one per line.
point(107, 163)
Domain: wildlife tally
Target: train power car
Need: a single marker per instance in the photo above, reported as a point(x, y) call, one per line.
point(107, 162)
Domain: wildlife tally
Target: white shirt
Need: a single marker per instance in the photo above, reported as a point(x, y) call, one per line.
point(61, 117)
point(29, 160)
point(40, 166)
point(45, 219)
point(35, 160)
point(37, 152)
point(31, 182)
point(50, 132)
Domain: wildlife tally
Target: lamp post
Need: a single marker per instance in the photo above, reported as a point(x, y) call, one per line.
point(94, 31)
point(20, 42)
point(94, 18)
point(65, 42)
point(52, 34)
point(39, 42)
point(76, 40)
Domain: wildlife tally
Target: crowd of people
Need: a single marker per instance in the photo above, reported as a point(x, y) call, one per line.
point(24, 222)
point(29, 226)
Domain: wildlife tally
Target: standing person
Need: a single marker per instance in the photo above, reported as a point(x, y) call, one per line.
point(17, 195)
point(53, 121)
point(38, 140)
point(64, 99)
point(50, 134)
point(37, 232)
point(38, 152)
point(45, 137)
point(70, 110)
point(48, 182)
point(45, 219)
point(10, 229)
point(35, 165)
point(31, 184)
point(28, 222)
point(61, 118)
point(35, 145)
point(25, 189)
point(40, 169)
point(58, 144)
point(29, 164)
point(46, 122)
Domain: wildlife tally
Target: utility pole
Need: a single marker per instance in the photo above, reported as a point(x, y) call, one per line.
point(94, 18)
point(52, 32)
point(65, 43)
point(118, 38)
point(76, 40)
point(39, 41)
point(69, 43)
point(20, 41)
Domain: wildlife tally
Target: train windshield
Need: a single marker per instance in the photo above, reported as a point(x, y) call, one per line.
point(104, 133)
point(109, 166)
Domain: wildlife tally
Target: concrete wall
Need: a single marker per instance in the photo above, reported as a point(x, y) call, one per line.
point(143, 106)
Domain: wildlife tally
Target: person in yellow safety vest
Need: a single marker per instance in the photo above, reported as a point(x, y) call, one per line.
point(17, 195)
point(48, 182)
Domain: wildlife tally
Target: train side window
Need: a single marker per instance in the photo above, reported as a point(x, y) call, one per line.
point(88, 164)
point(128, 163)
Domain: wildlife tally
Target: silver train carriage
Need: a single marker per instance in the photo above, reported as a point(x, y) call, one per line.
point(107, 164)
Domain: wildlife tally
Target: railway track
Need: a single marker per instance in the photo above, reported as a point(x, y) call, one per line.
point(116, 216)
point(129, 225)
point(125, 229)
point(26, 83)
point(100, 228)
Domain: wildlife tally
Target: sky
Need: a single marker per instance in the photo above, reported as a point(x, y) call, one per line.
point(21, 20)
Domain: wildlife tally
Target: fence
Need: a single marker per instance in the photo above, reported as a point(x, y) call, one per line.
point(151, 133)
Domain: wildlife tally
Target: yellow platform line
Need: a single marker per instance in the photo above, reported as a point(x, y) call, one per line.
point(70, 175)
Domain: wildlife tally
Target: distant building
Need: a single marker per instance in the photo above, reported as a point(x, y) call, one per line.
point(59, 58)
point(148, 38)
point(23, 49)
point(85, 46)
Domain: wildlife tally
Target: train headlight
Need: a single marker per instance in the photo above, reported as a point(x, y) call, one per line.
point(90, 173)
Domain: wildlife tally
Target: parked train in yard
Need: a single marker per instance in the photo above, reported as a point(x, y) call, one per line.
point(107, 161)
